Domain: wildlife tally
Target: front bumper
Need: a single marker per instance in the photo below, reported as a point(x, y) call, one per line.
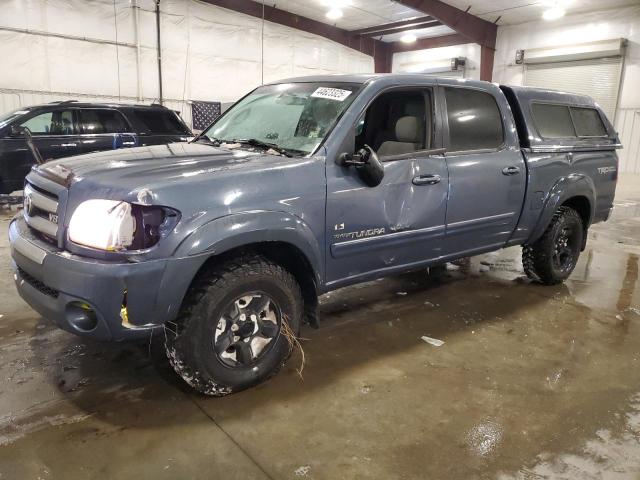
point(55, 283)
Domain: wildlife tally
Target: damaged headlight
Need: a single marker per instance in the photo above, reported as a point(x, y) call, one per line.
point(114, 225)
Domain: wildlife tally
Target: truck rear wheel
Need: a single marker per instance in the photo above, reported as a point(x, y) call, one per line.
point(235, 326)
point(552, 258)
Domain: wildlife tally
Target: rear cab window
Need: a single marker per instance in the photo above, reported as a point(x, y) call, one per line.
point(475, 121)
point(160, 121)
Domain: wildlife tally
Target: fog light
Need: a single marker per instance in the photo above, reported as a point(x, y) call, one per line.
point(81, 316)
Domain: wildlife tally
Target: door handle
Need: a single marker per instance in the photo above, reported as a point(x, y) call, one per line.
point(68, 144)
point(511, 170)
point(428, 179)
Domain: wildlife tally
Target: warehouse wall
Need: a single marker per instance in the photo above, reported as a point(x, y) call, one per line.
point(105, 50)
point(575, 29)
point(420, 59)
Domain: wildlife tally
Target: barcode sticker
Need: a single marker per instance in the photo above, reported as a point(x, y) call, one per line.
point(336, 94)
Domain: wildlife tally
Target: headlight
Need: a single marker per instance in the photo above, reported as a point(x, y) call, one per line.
point(103, 224)
point(115, 225)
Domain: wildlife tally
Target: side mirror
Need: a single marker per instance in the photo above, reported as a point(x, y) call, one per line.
point(17, 131)
point(367, 165)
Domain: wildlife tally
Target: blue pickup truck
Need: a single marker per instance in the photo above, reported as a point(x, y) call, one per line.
point(305, 186)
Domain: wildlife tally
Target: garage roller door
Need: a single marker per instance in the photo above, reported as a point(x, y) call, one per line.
point(598, 78)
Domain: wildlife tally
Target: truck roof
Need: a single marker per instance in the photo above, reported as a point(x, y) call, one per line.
point(521, 92)
point(541, 94)
point(362, 78)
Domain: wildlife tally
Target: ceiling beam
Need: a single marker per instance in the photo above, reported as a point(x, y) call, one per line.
point(282, 17)
point(395, 27)
point(469, 28)
point(475, 29)
point(430, 42)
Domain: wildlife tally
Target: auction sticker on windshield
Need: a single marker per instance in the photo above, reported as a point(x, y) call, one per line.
point(331, 93)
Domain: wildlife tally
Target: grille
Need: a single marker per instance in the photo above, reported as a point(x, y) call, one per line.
point(41, 210)
point(37, 284)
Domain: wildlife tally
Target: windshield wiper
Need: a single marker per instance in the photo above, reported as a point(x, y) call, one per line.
point(211, 141)
point(254, 142)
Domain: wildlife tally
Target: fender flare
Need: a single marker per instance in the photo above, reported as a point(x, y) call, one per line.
point(226, 233)
point(574, 185)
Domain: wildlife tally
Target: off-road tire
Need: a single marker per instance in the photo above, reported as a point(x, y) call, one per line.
point(189, 339)
point(537, 258)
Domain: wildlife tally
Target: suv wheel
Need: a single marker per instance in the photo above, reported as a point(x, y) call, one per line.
point(552, 258)
point(235, 326)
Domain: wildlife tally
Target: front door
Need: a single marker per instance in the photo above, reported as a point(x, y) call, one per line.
point(55, 135)
point(487, 173)
point(376, 230)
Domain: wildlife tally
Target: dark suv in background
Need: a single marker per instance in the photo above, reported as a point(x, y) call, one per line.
point(62, 129)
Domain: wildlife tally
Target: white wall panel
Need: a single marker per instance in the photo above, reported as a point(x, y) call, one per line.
point(208, 53)
point(628, 126)
point(424, 59)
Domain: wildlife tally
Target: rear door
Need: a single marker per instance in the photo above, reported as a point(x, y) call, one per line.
point(104, 129)
point(487, 172)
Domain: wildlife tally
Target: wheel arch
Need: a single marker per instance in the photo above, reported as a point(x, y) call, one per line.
point(279, 236)
point(582, 205)
point(287, 255)
point(576, 191)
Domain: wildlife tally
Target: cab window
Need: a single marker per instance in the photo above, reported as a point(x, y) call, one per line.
point(474, 120)
point(58, 122)
point(397, 122)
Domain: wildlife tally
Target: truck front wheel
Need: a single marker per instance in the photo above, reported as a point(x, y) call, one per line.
point(235, 326)
point(552, 258)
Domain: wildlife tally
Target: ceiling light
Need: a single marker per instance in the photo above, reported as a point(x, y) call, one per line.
point(408, 38)
point(334, 14)
point(336, 3)
point(556, 3)
point(553, 13)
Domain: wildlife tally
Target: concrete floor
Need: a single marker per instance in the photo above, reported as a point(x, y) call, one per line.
point(531, 382)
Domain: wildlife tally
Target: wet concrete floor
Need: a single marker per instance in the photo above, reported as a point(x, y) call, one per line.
point(531, 382)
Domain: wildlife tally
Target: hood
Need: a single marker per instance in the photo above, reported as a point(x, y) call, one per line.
point(158, 165)
point(186, 176)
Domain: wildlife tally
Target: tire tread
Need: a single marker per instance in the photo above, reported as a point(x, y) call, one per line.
point(536, 258)
point(181, 347)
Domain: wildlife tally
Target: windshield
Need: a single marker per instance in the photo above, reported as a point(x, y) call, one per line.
point(8, 117)
point(294, 118)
